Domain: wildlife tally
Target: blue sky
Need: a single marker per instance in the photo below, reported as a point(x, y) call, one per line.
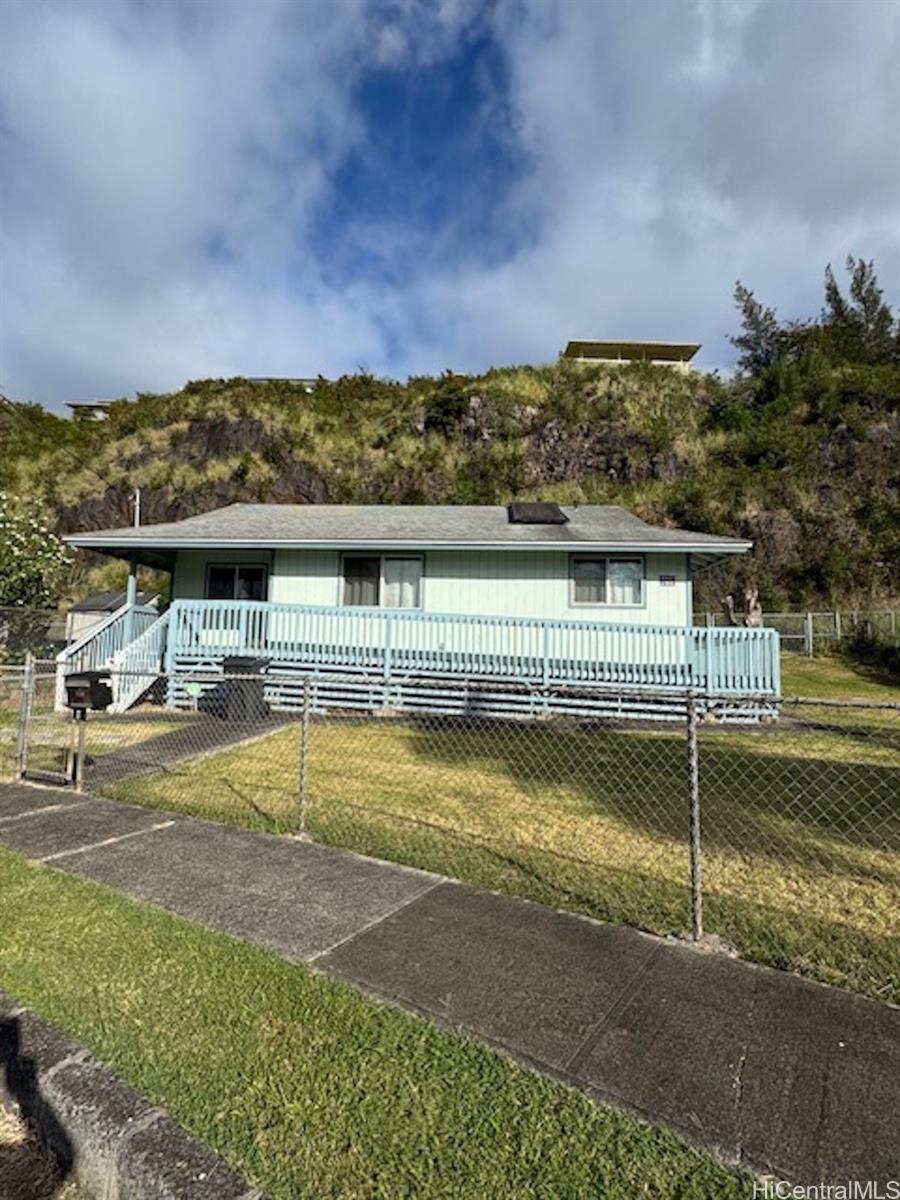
point(293, 186)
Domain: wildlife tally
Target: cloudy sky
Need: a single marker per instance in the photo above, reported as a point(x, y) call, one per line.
point(288, 187)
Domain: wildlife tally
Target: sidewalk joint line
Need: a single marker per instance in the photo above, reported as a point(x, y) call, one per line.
point(37, 812)
point(621, 1000)
point(110, 841)
point(367, 928)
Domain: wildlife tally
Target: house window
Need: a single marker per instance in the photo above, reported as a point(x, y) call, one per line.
point(598, 579)
point(382, 580)
point(235, 581)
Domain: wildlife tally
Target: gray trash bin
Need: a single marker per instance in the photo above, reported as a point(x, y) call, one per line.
point(237, 699)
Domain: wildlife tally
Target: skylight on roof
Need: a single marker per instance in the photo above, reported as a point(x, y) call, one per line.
point(537, 513)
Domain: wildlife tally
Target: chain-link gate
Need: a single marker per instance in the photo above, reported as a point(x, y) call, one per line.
point(43, 748)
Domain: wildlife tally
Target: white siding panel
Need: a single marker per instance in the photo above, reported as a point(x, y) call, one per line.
point(512, 583)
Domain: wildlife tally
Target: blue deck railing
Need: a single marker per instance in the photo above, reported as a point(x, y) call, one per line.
point(394, 644)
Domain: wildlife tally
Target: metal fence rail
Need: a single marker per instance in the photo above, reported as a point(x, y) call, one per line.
point(779, 836)
point(811, 632)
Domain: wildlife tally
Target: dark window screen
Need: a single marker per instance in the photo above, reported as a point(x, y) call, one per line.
point(362, 575)
point(590, 580)
point(220, 583)
point(251, 583)
point(225, 581)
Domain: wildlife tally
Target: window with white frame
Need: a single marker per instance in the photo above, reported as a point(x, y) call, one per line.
point(382, 580)
point(600, 579)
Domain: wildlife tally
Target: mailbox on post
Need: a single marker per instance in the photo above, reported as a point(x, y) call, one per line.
point(88, 689)
point(85, 690)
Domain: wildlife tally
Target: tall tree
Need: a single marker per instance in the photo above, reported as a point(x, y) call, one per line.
point(861, 328)
point(760, 339)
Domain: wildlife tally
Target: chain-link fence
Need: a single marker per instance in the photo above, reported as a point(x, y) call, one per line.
point(795, 811)
point(812, 633)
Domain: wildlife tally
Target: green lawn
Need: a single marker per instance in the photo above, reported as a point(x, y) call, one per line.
point(801, 823)
point(306, 1086)
point(832, 678)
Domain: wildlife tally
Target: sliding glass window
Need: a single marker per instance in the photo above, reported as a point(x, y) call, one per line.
point(382, 580)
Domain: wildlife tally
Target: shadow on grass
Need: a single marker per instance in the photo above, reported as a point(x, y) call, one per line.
point(771, 804)
point(194, 737)
point(39, 1168)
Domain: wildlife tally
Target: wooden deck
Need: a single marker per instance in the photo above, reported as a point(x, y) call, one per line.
point(364, 657)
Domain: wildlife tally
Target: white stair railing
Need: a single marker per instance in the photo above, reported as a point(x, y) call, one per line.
point(137, 666)
point(96, 649)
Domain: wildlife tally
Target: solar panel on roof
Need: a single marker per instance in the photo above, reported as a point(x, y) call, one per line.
point(536, 513)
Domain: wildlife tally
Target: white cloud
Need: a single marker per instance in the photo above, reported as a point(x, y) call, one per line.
point(661, 177)
point(162, 166)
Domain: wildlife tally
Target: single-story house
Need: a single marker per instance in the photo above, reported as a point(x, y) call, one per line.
point(91, 610)
point(533, 593)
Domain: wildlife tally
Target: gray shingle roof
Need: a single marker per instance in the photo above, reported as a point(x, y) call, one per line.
point(264, 525)
point(109, 601)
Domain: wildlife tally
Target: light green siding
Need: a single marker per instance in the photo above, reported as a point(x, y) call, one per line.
point(509, 583)
point(189, 581)
point(306, 577)
point(523, 584)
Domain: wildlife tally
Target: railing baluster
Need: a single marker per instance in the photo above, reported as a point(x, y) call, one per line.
point(546, 650)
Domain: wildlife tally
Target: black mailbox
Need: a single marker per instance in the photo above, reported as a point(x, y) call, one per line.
point(88, 689)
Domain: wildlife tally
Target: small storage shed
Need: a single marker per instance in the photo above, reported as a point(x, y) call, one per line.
point(86, 613)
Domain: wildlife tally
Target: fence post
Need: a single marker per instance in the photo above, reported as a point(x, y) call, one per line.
point(303, 789)
point(837, 624)
point(26, 698)
point(808, 635)
point(78, 773)
point(693, 780)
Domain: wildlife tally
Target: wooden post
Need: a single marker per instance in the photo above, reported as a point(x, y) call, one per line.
point(808, 635)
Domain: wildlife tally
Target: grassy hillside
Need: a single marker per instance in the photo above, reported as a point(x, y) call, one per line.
point(810, 472)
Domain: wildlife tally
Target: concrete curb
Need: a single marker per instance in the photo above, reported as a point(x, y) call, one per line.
point(104, 1133)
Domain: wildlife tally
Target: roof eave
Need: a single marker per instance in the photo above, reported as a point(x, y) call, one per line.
point(137, 545)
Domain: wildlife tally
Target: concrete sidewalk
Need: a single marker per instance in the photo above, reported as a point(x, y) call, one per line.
point(769, 1071)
